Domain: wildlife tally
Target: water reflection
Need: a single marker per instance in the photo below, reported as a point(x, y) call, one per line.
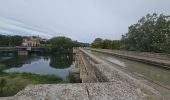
point(59, 65)
point(61, 61)
point(18, 61)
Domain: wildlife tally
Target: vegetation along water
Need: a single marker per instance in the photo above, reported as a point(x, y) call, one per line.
point(54, 64)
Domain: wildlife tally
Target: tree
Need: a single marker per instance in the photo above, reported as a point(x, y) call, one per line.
point(117, 44)
point(97, 43)
point(16, 40)
point(10, 40)
point(151, 33)
point(107, 44)
point(61, 44)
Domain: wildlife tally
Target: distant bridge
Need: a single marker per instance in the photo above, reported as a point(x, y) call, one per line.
point(22, 50)
point(19, 48)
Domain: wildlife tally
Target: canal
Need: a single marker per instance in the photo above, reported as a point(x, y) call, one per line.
point(150, 72)
point(59, 65)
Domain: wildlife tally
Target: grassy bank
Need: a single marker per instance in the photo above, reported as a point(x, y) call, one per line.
point(12, 83)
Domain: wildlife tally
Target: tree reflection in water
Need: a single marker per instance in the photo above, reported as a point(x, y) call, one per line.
point(18, 61)
point(58, 61)
point(61, 61)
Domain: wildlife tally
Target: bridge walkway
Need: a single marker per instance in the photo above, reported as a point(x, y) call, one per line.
point(154, 58)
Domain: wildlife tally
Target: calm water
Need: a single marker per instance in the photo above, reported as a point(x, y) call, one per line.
point(150, 72)
point(59, 65)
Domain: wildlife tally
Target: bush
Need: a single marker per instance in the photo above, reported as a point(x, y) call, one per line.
point(3, 83)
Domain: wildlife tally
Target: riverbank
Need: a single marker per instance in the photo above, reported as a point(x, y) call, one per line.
point(12, 83)
point(17, 72)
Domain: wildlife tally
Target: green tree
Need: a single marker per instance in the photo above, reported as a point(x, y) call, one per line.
point(97, 43)
point(106, 44)
point(61, 44)
point(117, 44)
point(16, 40)
point(7, 40)
point(151, 33)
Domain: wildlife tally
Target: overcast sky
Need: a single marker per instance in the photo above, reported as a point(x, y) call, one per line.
point(81, 20)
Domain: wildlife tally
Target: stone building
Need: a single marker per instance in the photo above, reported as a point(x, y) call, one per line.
point(32, 41)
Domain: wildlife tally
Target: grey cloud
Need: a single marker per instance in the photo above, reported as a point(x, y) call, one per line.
point(82, 20)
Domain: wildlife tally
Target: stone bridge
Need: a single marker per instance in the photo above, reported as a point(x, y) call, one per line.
point(22, 50)
point(101, 80)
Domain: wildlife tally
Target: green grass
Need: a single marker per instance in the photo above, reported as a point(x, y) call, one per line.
point(18, 81)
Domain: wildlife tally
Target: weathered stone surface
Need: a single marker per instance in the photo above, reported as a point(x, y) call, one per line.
point(112, 74)
point(52, 92)
point(84, 91)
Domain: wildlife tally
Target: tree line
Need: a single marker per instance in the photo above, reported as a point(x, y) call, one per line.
point(63, 44)
point(150, 34)
point(53, 45)
point(7, 40)
point(106, 44)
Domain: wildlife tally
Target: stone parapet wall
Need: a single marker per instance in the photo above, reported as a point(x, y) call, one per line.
point(87, 70)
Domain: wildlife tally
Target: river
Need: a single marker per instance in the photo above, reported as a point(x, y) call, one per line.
point(59, 65)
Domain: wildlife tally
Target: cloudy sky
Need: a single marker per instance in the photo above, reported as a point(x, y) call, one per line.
point(81, 20)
